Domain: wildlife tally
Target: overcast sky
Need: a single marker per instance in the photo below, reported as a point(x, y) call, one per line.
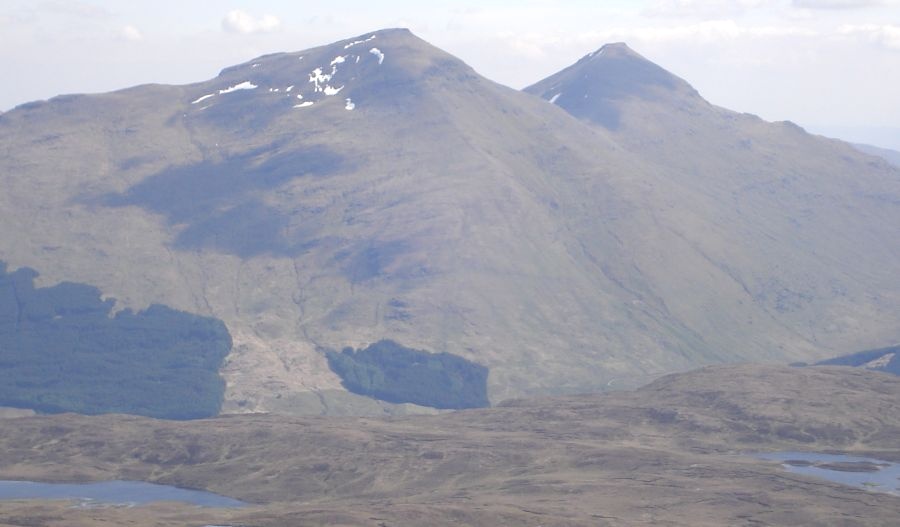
point(829, 65)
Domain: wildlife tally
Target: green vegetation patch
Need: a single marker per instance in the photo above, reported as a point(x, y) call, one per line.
point(61, 350)
point(397, 374)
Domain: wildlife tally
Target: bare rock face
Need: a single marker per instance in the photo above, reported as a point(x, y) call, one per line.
point(378, 188)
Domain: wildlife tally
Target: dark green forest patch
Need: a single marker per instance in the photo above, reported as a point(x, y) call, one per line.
point(390, 372)
point(62, 351)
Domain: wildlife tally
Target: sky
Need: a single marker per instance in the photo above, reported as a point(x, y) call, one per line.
point(832, 66)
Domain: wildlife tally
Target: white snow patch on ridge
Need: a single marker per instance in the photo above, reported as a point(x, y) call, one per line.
point(303, 104)
point(553, 99)
point(203, 98)
point(339, 59)
point(332, 91)
point(355, 42)
point(378, 53)
point(246, 85)
point(350, 105)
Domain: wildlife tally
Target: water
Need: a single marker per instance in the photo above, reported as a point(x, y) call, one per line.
point(112, 492)
point(868, 473)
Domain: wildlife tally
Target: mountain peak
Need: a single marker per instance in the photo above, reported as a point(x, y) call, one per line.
point(593, 87)
point(616, 49)
point(339, 76)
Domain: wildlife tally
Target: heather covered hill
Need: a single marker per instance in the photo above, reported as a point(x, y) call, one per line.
point(680, 452)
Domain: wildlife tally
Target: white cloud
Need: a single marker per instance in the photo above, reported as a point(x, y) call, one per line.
point(707, 31)
point(74, 8)
point(131, 33)
point(237, 21)
point(885, 35)
point(836, 4)
point(702, 8)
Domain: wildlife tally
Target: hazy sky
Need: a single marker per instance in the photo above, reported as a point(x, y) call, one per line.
point(830, 65)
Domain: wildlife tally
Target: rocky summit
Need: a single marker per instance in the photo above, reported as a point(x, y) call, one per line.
point(378, 189)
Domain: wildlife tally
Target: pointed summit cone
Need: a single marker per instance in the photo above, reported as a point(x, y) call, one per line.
point(595, 87)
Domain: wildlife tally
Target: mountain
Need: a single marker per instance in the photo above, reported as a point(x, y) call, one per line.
point(682, 451)
point(378, 189)
point(891, 156)
point(772, 230)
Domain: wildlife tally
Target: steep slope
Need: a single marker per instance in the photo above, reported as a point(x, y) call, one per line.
point(764, 236)
point(378, 188)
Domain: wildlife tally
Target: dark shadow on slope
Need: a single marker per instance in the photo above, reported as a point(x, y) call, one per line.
point(372, 259)
point(221, 203)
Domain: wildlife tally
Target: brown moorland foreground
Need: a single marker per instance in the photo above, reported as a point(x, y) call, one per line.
point(676, 452)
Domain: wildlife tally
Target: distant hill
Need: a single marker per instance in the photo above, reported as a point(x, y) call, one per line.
point(891, 156)
point(377, 188)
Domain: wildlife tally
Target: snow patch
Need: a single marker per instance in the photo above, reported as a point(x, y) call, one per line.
point(355, 42)
point(200, 99)
point(303, 104)
point(254, 65)
point(378, 53)
point(319, 78)
point(332, 91)
point(350, 105)
point(289, 88)
point(339, 59)
point(553, 99)
point(246, 85)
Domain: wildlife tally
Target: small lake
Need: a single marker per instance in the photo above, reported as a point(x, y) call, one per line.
point(112, 493)
point(864, 472)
